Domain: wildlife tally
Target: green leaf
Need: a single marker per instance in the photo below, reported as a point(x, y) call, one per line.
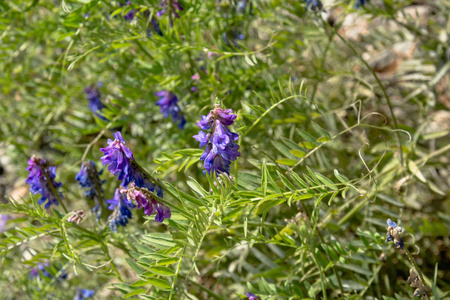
point(340, 177)
point(307, 145)
point(193, 184)
point(306, 136)
point(134, 266)
point(139, 283)
point(163, 271)
point(286, 162)
point(264, 174)
point(298, 153)
point(160, 283)
point(189, 152)
point(283, 149)
point(134, 293)
point(326, 181)
point(319, 130)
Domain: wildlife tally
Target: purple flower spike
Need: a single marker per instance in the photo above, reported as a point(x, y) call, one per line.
point(148, 203)
point(121, 207)
point(42, 181)
point(83, 294)
point(220, 149)
point(95, 102)
point(43, 268)
point(169, 107)
point(3, 221)
point(119, 158)
point(390, 223)
point(252, 296)
point(88, 179)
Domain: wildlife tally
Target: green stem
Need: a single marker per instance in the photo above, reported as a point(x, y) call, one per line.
point(388, 100)
point(208, 291)
point(176, 274)
point(322, 278)
point(106, 251)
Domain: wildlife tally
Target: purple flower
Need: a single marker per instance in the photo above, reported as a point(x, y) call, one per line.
point(34, 273)
point(121, 207)
point(95, 103)
point(252, 296)
point(221, 148)
point(393, 234)
point(148, 203)
point(3, 221)
point(122, 164)
point(196, 79)
point(390, 223)
point(42, 181)
point(154, 25)
point(313, 4)
point(171, 6)
point(83, 294)
point(169, 106)
point(88, 178)
point(359, 3)
point(232, 37)
point(119, 158)
point(44, 270)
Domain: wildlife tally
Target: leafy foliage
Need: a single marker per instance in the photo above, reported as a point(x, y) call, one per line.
point(338, 131)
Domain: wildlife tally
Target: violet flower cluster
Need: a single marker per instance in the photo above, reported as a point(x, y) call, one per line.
point(360, 3)
point(121, 207)
point(221, 148)
point(251, 296)
point(172, 6)
point(118, 158)
point(169, 107)
point(121, 163)
point(148, 203)
point(3, 221)
point(314, 5)
point(154, 25)
point(94, 101)
point(42, 268)
point(88, 179)
point(393, 234)
point(83, 294)
point(42, 181)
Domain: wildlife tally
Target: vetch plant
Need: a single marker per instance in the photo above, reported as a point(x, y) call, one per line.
point(221, 148)
point(94, 100)
point(393, 234)
point(313, 134)
point(121, 207)
point(88, 179)
point(169, 107)
point(42, 181)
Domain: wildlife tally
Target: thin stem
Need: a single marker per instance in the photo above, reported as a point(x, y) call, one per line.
point(322, 278)
point(322, 62)
point(208, 291)
point(388, 100)
point(106, 251)
point(323, 241)
point(176, 274)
